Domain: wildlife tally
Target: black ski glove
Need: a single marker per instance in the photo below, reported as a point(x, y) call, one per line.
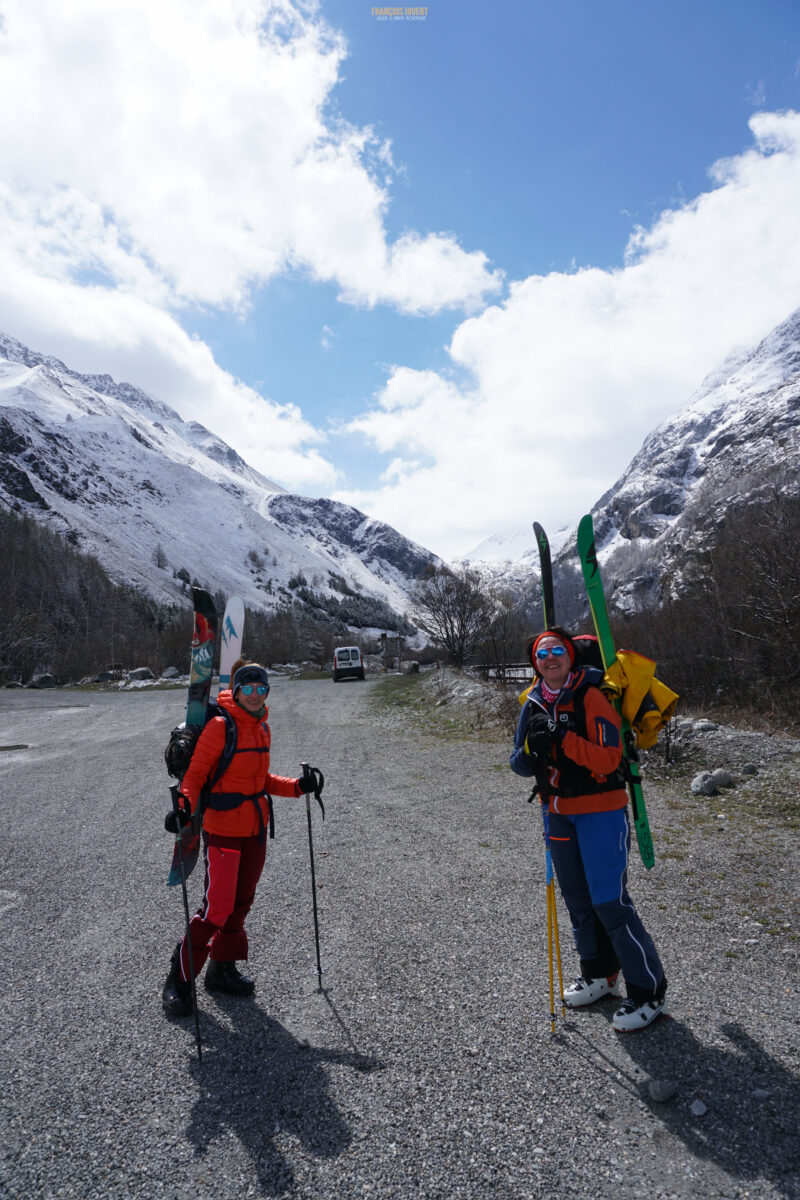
point(314, 781)
point(174, 822)
point(542, 732)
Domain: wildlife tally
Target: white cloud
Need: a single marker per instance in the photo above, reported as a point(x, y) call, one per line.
point(193, 138)
point(162, 154)
point(95, 329)
point(568, 375)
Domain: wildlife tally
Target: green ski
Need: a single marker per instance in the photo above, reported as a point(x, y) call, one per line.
point(546, 574)
point(597, 603)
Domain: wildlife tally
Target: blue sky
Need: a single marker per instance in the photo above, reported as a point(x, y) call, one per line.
point(451, 270)
point(538, 133)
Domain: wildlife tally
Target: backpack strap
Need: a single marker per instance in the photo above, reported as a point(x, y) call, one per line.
point(223, 801)
point(224, 761)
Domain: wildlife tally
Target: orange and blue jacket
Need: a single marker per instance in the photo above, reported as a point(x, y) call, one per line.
point(238, 804)
point(584, 771)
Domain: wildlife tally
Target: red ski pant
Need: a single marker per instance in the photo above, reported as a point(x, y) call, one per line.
point(233, 869)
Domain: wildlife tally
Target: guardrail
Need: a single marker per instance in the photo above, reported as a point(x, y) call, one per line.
point(507, 672)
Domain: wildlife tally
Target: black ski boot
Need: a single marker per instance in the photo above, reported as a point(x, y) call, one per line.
point(225, 977)
point(177, 994)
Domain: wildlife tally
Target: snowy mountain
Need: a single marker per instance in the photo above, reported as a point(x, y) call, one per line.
point(738, 437)
point(510, 561)
point(124, 478)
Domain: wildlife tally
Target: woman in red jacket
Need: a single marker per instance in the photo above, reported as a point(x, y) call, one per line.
point(568, 736)
point(235, 824)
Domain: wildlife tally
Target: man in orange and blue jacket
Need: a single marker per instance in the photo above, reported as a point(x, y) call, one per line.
point(568, 737)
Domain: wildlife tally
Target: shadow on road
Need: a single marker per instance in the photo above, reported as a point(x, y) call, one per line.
point(751, 1126)
point(267, 1088)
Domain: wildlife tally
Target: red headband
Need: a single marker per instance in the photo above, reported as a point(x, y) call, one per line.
point(570, 649)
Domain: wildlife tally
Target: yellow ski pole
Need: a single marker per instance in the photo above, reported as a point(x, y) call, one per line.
point(558, 945)
point(550, 954)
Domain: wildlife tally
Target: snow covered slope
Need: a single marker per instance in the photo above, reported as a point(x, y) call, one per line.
point(739, 435)
point(125, 479)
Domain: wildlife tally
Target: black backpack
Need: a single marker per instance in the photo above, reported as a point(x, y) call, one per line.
point(183, 739)
point(587, 651)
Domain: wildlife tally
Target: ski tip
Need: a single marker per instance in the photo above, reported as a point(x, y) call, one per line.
point(203, 602)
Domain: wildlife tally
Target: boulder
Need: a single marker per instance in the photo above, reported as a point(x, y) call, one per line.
point(723, 778)
point(749, 769)
point(411, 667)
point(703, 784)
point(170, 673)
point(103, 677)
point(43, 681)
point(661, 1090)
point(141, 673)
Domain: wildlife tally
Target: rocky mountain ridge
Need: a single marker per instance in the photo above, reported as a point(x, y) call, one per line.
point(155, 498)
point(736, 440)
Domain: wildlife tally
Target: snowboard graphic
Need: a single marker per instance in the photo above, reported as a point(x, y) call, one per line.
point(231, 638)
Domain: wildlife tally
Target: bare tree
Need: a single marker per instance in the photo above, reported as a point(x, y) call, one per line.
point(452, 609)
point(504, 637)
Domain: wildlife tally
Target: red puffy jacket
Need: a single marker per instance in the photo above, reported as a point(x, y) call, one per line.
point(240, 792)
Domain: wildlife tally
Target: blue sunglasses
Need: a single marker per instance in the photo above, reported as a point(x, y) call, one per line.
point(260, 689)
point(556, 651)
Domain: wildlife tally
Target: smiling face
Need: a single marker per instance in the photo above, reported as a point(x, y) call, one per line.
point(252, 703)
point(552, 668)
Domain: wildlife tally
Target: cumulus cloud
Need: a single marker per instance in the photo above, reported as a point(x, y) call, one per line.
point(157, 155)
point(552, 392)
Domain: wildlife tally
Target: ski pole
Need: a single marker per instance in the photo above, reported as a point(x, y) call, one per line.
point(308, 774)
point(552, 912)
point(558, 949)
point(176, 810)
point(550, 956)
point(553, 933)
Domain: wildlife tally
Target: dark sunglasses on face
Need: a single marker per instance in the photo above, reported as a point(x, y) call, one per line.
point(260, 689)
point(556, 651)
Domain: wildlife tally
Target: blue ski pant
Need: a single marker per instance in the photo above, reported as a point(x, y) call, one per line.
point(590, 858)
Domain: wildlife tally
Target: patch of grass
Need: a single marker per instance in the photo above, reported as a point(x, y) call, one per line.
point(419, 704)
point(398, 691)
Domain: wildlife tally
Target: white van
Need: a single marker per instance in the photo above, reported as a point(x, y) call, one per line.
point(347, 663)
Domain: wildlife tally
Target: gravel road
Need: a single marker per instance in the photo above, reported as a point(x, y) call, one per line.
point(427, 1066)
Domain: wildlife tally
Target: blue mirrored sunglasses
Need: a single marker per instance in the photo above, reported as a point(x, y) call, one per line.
point(260, 689)
point(556, 651)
